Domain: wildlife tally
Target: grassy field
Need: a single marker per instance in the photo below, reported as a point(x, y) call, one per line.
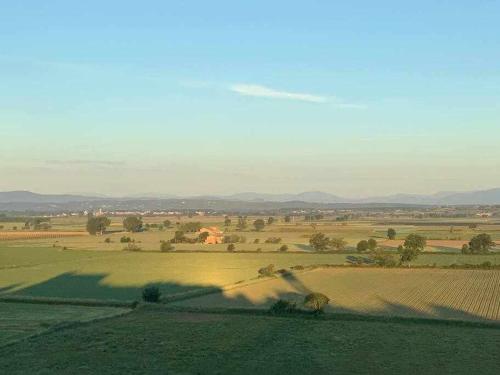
point(20, 320)
point(52, 272)
point(420, 293)
point(186, 343)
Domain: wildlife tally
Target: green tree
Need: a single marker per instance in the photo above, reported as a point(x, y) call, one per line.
point(412, 246)
point(372, 244)
point(203, 236)
point(391, 233)
point(270, 220)
point(166, 246)
point(481, 243)
point(362, 246)
point(259, 224)
point(231, 247)
point(316, 302)
point(319, 241)
point(97, 225)
point(178, 237)
point(287, 219)
point(337, 244)
point(167, 223)
point(227, 221)
point(132, 224)
point(283, 248)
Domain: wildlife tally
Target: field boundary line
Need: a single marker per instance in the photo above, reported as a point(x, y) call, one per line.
point(69, 301)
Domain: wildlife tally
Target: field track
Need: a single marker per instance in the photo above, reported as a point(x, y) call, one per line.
point(29, 235)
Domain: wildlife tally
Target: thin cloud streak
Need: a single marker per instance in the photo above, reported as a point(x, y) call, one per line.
point(267, 92)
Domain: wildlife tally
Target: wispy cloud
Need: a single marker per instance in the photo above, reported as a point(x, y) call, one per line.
point(267, 92)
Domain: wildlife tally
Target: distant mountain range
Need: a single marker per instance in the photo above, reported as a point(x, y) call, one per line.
point(25, 200)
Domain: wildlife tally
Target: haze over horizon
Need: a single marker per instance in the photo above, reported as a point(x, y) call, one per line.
point(355, 99)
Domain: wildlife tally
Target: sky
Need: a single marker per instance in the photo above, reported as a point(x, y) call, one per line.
point(357, 98)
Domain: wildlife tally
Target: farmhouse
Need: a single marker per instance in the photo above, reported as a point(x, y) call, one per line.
point(215, 236)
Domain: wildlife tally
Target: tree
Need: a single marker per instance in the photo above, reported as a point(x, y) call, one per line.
point(316, 302)
point(178, 237)
point(132, 224)
point(283, 248)
point(391, 233)
point(151, 294)
point(338, 244)
point(465, 249)
point(372, 244)
point(167, 223)
point(227, 221)
point(97, 224)
point(166, 246)
point(242, 223)
point(259, 224)
point(203, 236)
point(319, 241)
point(362, 246)
point(481, 243)
point(191, 226)
point(412, 246)
point(287, 219)
point(270, 220)
point(231, 247)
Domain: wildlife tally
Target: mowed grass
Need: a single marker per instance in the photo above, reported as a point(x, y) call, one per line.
point(20, 320)
point(121, 275)
point(187, 343)
point(416, 293)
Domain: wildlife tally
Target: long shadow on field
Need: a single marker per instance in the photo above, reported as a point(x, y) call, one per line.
point(93, 286)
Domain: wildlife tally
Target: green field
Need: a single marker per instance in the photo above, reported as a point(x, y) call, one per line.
point(52, 272)
point(20, 320)
point(185, 343)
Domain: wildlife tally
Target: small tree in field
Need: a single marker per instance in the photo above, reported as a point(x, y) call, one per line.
point(412, 246)
point(481, 244)
point(362, 246)
point(97, 225)
point(231, 247)
point(166, 246)
point(270, 220)
point(319, 241)
point(316, 302)
point(391, 233)
point(227, 221)
point(151, 294)
point(287, 219)
point(132, 224)
point(283, 248)
point(259, 224)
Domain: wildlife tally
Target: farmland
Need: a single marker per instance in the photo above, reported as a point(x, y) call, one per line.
point(210, 297)
point(248, 344)
point(20, 320)
point(419, 293)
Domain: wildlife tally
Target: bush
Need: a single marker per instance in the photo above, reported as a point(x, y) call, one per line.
point(234, 238)
point(362, 246)
point(166, 246)
point(274, 240)
point(316, 302)
point(283, 248)
point(256, 240)
point(125, 239)
point(231, 247)
point(107, 240)
point(384, 260)
point(267, 271)
point(132, 247)
point(282, 306)
point(151, 294)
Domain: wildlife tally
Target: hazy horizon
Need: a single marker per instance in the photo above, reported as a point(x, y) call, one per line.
point(356, 100)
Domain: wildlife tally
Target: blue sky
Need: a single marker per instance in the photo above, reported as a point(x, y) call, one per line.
point(195, 97)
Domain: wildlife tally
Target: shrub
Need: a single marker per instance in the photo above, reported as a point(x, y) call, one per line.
point(282, 306)
point(384, 260)
point(362, 246)
point(283, 248)
point(372, 244)
point(166, 246)
point(267, 271)
point(151, 294)
point(316, 302)
point(234, 238)
point(231, 247)
point(107, 240)
point(274, 240)
point(125, 239)
point(256, 240)
point(481, 243)
point(132, 247)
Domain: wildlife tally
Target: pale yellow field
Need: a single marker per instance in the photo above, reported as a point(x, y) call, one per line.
point(428, 293)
